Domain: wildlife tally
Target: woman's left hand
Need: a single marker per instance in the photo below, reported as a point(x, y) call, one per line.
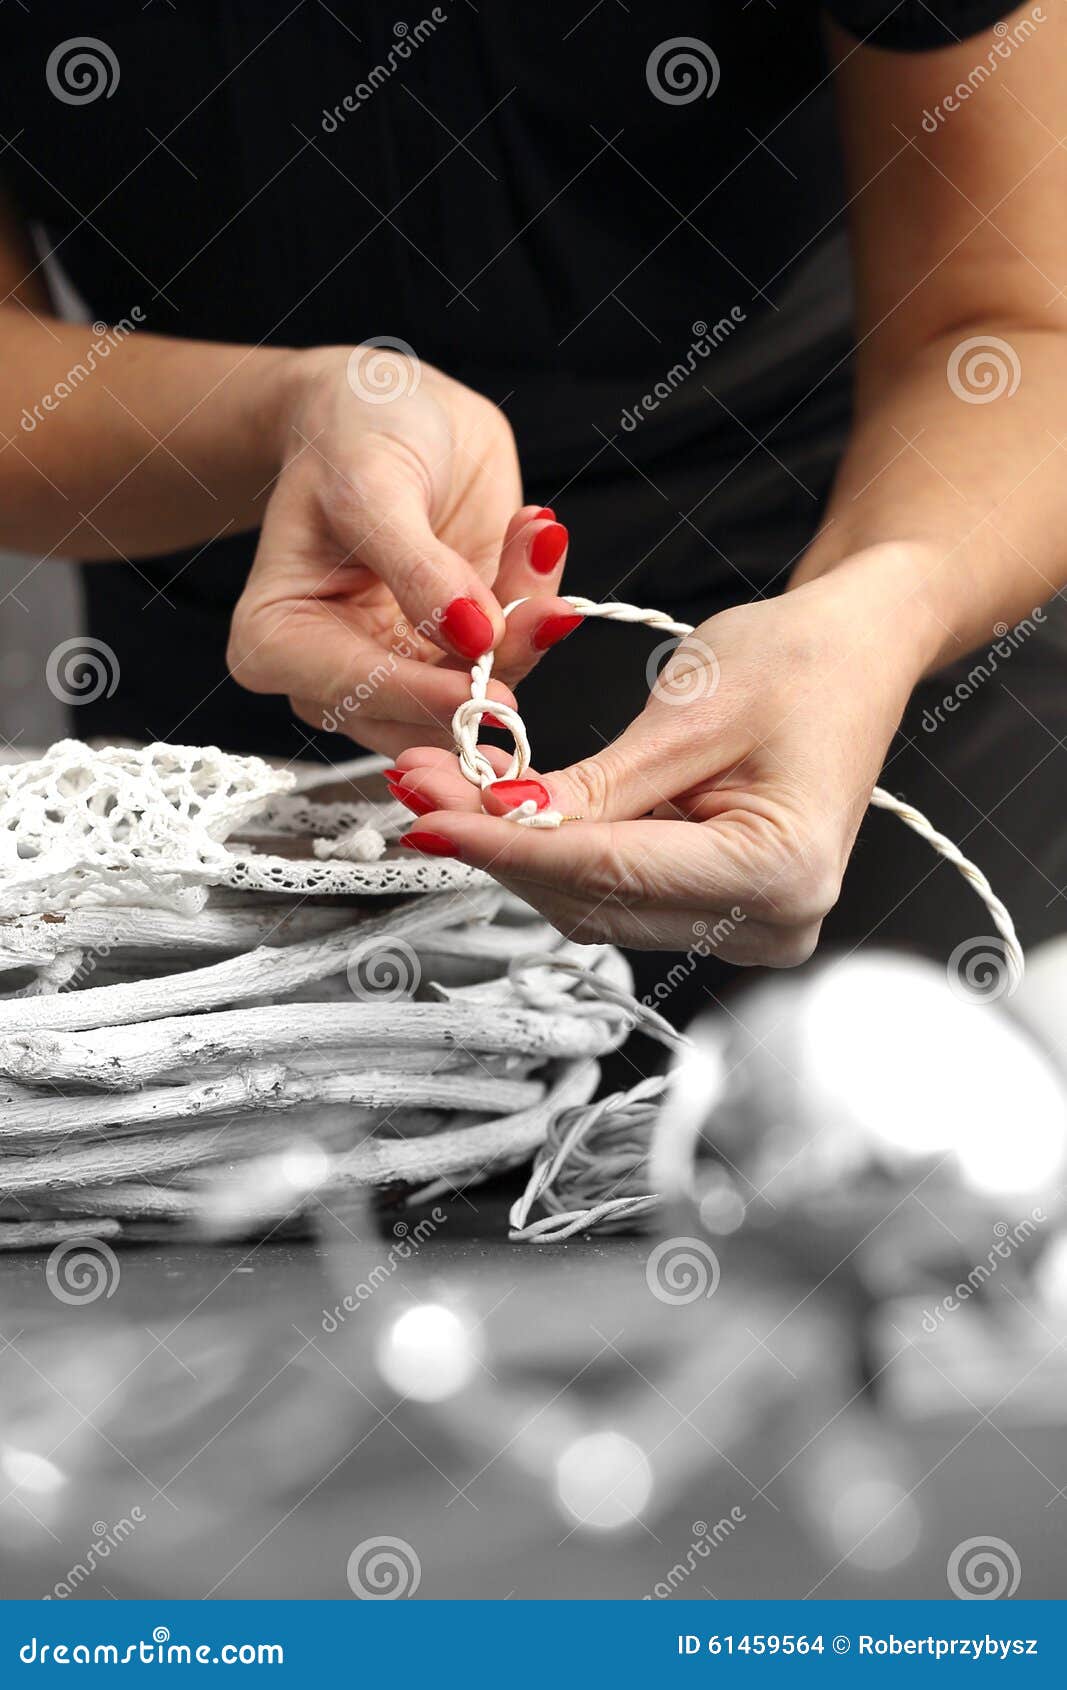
point(730, 806)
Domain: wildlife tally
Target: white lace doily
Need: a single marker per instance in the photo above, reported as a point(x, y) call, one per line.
point(155, 827)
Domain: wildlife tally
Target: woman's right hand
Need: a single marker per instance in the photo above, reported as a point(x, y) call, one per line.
point(393, 536)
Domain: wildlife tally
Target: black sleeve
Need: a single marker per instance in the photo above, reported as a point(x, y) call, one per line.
point(912, 26)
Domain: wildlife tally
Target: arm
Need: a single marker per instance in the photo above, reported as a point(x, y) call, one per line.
point(958, 235)
point(386, 522)
point(162, 444)
point(738, 791)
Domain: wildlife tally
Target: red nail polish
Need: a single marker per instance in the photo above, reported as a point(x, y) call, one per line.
point(553, 629)
point(467, 628)
point(430, 844)
point(392, 774)
point(548, 547)
point(415, 802)
point(545, 514)
point(493, 722)
point(515, 792)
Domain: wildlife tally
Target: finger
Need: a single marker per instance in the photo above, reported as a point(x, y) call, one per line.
point(728, 936)
point(673, 865)
point(427, 780)
point(384, 521)
point(531, 567)
point(390, 739)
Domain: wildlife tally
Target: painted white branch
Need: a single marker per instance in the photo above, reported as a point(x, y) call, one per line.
point(265, 972)
point(40, 1235)
point(122, 1058)
point(264, 1088)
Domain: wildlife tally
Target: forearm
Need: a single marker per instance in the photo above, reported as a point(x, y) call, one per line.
point(973, 486)
point(133, 444)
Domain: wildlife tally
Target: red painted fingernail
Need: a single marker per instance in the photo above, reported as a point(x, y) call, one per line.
point(553, 629)
point(430, 844)
point(548, 547)
point(494, 722)
point(415, 802)
point(545, 514)
point(392, 774)
point(515, 792)
point(467, 628)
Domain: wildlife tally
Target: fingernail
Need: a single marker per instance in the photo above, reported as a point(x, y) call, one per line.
point(392, 774)
point(467, 628)
point(430, 844)
point(553, 629)
point(494, 722)
point(515, 792)
point(545, 514)
point(548, 547)
point(414, 800)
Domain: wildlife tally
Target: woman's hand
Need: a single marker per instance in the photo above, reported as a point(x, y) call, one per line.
point(395, 516)
point(730, 806)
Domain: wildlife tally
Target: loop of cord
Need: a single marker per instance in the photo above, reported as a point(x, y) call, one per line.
point(480, 772)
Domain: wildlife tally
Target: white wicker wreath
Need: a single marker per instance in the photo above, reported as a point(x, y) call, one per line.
point(225, 998)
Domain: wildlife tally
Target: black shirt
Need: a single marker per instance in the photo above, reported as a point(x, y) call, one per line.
point(623, 225)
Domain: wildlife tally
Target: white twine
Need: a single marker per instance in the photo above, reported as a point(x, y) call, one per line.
point(480, 772)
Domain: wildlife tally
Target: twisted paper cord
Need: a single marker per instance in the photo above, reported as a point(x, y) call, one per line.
point(480, 772)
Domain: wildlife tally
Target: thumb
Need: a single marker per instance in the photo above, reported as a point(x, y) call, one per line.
point(390, 533)
point(648, 765)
